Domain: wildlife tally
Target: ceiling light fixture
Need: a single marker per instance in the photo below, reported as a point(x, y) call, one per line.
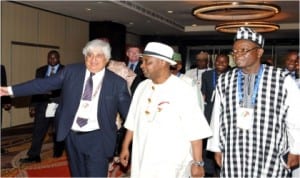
point(231, 11)
point(261, 27)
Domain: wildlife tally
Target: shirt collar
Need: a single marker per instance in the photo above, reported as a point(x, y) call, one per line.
point(97, 75)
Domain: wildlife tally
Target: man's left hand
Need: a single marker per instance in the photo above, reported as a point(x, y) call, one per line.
point(197, 171)
point(7, 107)
point(293, 161)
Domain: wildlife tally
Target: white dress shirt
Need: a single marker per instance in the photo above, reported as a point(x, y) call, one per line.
point(92, 115)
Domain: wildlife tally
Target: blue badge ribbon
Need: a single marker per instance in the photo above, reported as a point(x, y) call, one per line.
point(256, 84)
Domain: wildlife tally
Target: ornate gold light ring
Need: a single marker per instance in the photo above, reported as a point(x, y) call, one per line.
point(268, 10)
point(260, 27)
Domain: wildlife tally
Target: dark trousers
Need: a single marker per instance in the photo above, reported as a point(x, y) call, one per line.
point(86, 154)
point(40, 129)
point(211, 168)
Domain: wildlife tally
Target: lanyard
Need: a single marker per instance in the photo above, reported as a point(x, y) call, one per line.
point(214, 79)
point(97, 89)
point(255, 91)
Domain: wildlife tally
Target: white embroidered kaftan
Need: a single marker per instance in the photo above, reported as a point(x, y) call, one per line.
point(164, 119)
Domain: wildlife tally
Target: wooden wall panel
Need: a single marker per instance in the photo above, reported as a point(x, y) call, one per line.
point(51, 28)
point(27, 35)
point(20, 22)
point(24, 58)
point(74, 43)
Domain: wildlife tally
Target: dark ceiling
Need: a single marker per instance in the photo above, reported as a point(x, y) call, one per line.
point(152, 17)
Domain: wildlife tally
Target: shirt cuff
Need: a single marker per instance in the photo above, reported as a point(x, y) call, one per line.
point(10, 91)
point(295, 149)
point(212, 145)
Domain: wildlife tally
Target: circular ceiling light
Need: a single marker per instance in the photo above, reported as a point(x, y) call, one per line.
point(260, 27)
point(235, 11)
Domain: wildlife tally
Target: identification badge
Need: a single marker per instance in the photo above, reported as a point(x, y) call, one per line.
point(51, 109)
point(245, 118)
point(84, 109)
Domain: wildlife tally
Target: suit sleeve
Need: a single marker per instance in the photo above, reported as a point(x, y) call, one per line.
point(124, 100)
point(39, 85)
point(34, 98)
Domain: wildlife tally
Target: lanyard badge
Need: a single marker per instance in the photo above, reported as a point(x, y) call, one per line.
point(245, 118)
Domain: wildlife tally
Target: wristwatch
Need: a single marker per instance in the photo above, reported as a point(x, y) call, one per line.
point(198, 163)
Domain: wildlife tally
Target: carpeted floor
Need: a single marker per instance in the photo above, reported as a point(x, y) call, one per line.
point(16, 141)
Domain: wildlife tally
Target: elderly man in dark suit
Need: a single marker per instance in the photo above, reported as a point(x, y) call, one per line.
point(91, 97)
point(38, 108)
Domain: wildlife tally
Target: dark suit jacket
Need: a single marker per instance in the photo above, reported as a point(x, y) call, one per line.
point(207, 88)
point(114, 98)
point(36, 100)
point(139, 77)
point(138, 70)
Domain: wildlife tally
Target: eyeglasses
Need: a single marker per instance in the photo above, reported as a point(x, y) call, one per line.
point(242, 51)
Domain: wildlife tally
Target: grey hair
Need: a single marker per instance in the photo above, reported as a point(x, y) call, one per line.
point(98, 45)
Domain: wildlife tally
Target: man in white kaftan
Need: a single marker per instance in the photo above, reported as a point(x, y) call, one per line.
point(161, 141)
point(166, 121)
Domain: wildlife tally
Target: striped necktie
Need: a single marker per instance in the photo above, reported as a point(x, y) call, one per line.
point(88, 89)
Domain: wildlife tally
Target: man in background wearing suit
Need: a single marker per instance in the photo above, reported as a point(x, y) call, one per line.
point(133, 54)
point(209, 82)
point(290, 60)
point(37, 109)
point(91, 96)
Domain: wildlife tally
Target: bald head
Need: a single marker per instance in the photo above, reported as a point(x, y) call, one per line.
point(202, 60)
